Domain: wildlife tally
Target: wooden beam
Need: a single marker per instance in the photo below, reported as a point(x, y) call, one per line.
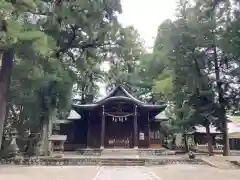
point(103, 128)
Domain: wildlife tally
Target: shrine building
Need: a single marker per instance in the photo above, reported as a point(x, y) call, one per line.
point(117, 121)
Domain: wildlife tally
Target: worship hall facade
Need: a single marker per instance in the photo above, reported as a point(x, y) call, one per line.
point(117, 121)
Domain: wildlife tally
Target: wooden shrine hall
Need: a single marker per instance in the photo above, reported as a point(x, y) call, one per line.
point(116, 121)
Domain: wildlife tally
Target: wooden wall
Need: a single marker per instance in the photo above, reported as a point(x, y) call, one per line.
point(155, 135)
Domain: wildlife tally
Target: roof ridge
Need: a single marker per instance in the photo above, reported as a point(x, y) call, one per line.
point(127, 94)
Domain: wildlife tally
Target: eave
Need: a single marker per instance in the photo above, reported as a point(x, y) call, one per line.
point(120, 94)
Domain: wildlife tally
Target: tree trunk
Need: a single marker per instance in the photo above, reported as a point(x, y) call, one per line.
point(83, 95)
point(209, 139)
point(44, 130)
point(5, 78)
point(225, 136)
point(186, 142)
point(174, 140)
point(222, 110)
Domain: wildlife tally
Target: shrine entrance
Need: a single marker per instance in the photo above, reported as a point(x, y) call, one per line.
point(119, 134)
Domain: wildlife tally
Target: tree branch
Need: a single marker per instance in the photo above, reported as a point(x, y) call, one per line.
point(67, 46)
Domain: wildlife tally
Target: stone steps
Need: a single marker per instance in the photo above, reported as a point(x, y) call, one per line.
point(122, 162)
point(119, 153)
point(155, 152)
point(89, 152)
point(124, 152)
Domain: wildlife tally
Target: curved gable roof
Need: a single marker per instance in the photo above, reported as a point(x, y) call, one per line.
point(120, 92)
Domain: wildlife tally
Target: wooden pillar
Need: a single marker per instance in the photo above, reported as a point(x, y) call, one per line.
point(88, 131)
point(149, 132)
point(135, 128)
point(102, 128)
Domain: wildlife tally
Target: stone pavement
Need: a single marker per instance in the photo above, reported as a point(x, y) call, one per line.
point(47, 173)
point(168, 172)
point(198, 172)
point(221, 162)
point(125, 173)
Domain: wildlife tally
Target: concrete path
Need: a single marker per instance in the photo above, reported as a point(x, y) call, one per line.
point(168, 172)
point(47, 173)
point(125, 173)
point(198, 172)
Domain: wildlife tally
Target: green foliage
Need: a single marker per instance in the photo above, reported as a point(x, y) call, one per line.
point(124, 59)
point(66, 42)
point(163, 84)
point(182, 67)
point(55, 42)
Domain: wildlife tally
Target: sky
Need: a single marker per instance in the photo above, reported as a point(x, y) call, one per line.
point(146, 16)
